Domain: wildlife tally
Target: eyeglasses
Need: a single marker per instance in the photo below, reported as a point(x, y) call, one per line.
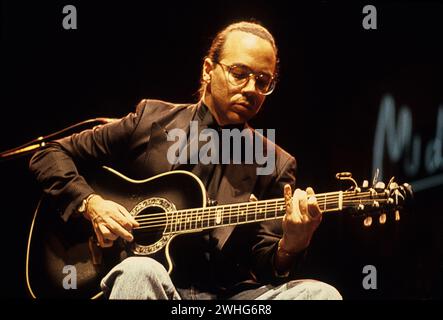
point(239, 75)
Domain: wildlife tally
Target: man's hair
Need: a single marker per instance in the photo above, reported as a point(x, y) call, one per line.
point(216, 50)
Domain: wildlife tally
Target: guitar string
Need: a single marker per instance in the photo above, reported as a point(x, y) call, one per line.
point(330, 199)
point(178, 228)
point(194, 219)
point(246, 210)
point(249, 211)
point(265, 203)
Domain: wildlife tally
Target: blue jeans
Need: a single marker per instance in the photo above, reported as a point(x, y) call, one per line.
point(145, 278)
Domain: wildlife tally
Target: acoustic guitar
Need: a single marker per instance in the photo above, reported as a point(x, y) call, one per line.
point(167, 205)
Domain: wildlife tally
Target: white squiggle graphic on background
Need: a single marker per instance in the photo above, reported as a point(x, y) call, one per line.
point(400, 142)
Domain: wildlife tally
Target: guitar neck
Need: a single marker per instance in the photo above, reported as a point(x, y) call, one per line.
point(194, 220)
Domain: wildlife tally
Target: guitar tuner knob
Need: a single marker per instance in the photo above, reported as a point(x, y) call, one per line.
point(382, 218)
point(343, 175)
point(393, 185)
point(346, 176)
point(380, 185)
point(368, 221)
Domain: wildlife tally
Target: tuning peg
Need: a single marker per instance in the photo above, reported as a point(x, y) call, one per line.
point(375, 179)
point(382, 218)
point(380, 186)
point(392, 185)
point(368, 221)
point(397, 215)
point(346, 176)
point(365, 184)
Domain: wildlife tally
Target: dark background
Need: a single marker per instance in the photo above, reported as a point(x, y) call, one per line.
point(325, 109)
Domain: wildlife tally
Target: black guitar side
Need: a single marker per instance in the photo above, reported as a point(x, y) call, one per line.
point(56, 248)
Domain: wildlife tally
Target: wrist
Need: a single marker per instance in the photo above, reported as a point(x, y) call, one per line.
point(85, 203)
point(283, 250)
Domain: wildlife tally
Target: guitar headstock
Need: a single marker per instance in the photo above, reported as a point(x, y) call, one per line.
point(378, 200)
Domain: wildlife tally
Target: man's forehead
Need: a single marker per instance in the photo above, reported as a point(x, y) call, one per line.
point(245, 41)
point(248, 48)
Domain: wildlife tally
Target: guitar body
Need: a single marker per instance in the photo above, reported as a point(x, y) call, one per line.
point(63, 255)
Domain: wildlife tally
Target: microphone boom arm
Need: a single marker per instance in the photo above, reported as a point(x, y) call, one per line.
point(40, 142)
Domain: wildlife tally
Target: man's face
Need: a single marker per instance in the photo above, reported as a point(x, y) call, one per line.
point(234, 104)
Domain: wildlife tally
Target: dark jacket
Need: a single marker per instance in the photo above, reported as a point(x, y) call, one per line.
point(137, 146)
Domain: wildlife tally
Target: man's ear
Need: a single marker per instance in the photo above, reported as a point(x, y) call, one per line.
point(208, 66)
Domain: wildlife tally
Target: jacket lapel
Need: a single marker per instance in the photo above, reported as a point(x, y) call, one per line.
point(159, 144)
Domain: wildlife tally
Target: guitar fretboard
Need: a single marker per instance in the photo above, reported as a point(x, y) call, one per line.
point(193, 220)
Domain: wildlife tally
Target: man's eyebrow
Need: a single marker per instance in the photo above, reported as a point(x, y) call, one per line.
point(248, 67)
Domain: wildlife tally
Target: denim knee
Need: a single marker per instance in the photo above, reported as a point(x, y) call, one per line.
point(142, 268)
point(313, 289)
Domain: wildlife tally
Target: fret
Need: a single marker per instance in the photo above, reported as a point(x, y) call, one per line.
point(213, 218)
point(199, 224)
point(204, 220)
point(218, 216)
point(168, 222)
point(190, 216)
point(235, 212)
point(193, 219)
point(197, 219)
point(241, 214)
point(184, 221)
point(276, 209)
point(250, 214)
point(182, 224)
point(261, 212)
point(208, 218)
point(187, 221)
point(340, 200)
point(177, 221)
point(226, 217)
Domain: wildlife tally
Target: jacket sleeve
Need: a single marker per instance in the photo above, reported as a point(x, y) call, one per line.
point(55, 166)
point(269, 233)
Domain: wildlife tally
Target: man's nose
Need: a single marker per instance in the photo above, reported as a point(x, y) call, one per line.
point(250, 84)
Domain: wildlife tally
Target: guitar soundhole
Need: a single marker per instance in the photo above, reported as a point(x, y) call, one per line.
point(152, 225)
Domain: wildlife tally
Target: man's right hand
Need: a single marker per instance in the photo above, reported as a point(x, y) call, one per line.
point(110, 220)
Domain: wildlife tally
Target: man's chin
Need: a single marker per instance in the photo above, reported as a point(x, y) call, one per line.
point(236, 118)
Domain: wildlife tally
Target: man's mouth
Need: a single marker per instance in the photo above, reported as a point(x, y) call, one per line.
point(244, 105)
